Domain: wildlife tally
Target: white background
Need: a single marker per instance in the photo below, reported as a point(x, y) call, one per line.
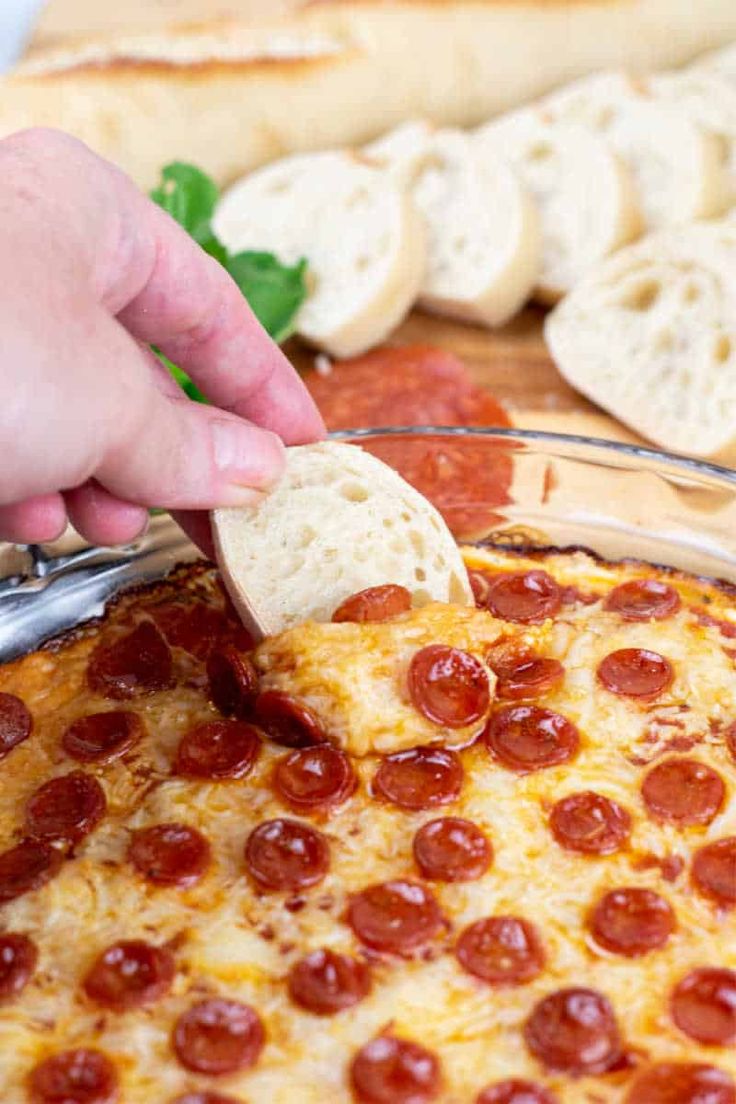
point(16, 22)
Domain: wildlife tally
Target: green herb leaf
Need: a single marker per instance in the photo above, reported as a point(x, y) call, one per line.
point(187, 385)
point(275, 291)
point(189, 196)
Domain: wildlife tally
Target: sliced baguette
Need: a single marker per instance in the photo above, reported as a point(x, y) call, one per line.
point(359, 230)
point(483, 238)
point(721, 63)
point(651, 337)
point(585, 195)
point(339, 521)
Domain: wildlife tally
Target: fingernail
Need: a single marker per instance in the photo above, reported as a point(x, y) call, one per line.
point(250, 458)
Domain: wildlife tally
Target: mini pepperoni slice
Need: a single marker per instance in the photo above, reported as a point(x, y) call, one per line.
point(574, 1031)
point(714, 871)
point(285, 854)
point(526, 597)
point(233, 682)
point(218, 750)
point(315, 778)
point(195, 627)
point(218, 1036)
point(528, 738)
point(530, 678)
point(643, 600)
point(82, 1076)
point(129, 974)
point(683, 791)
point(636, 673)
point(590, 823)
point(170, 854)
point(325, 982)
point(452, 850)
point(66, 808)
point(682, 1083)
point(288, 721)
point(135, 664)
point(419, 778)
point(378, 603)
point(703, 1005)
point(515, 1092)
point(102, 737)
point(397, 917)
point(16, 723)
point(448, 686)
point(632, 921)
point(388, 1070)
point(28, 866)
point(501, 950)
point(18, 958)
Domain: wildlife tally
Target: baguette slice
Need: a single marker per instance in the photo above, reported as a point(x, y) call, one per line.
point(584, 193)
point(721, 63)
point(679, 167)
point(339, 521)
point(651, 337)
point(358, 229)
point(482, 227)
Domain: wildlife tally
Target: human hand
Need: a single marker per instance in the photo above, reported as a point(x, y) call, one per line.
point(92, 427)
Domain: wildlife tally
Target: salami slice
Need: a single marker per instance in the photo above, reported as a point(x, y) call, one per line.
point(636, 673)
point(683, 792)
point(703, 1005)
point(18, 958)
point(448, 686)
point(378, 603)
point(714, 871)
point(80, 1076)
point(218, 1036)
point(285, 854)
point(16, 723)
point(217, 750)
point(516, 1092)
point(632, 921)
point(28, 866)
point(452, 850)
point(528, 738)
point(590, 823)
point(103, 737)
point(396, 917)
point(526, 597)
point(682, 1083)
point(170, 854)
point(136, 664)
point(501, 950)
point(388, 1070)
point(129, 974)
point(195, 627)
point(233, 682)
point(419, 778)
point(325, 982)
point(66, 808)
point(643, 600)
point(574, 1031)
point(288, 721)
point(314, 779)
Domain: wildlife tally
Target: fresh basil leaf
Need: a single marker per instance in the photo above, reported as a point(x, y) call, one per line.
point(275, 291)
point(190, 197)
point(187, 385)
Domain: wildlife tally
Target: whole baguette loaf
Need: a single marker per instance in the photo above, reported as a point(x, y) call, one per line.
point(339, 72)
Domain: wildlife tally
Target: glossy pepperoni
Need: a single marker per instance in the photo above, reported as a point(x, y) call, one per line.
point(682, 1083)
point(16, 723)
point(419, 778)
point(683, 791)
point(233, 682)
point(66, 808)
point(28, 866)
point(218, 1036)
point(135, 664)
point(636, 673)
point(703, 1005)
point(378, 603)
point(530, 678)
point(397, 917)
point(288, 721)
point(326, 982)
point(448, 686)
point(314, 778)
point(452, 850)
point(643, 600)
point(80, 1076)
point(193, 626)
point(528, 738)
point(527, 597)
point(590, 823)
point(170, 854)
point(218, 750)
point(515, 1092)
point(102, 737)
point(574, 1031)
point(18, 958)
point(287, 855)
point(714, 871)
point(129, 974)
point(394, 1071)
point(632, 921)
point(501, 950)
